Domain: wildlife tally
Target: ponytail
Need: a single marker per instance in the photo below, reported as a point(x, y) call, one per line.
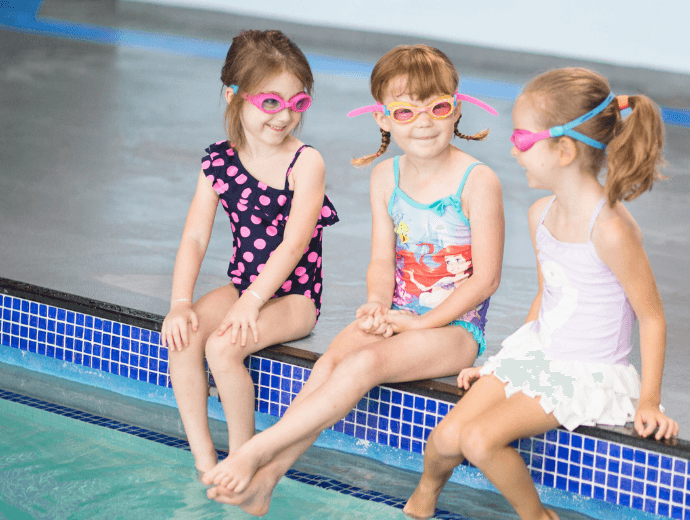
point(634, 154)
point(385, 141)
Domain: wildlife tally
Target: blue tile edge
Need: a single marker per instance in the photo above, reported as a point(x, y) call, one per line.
point(590, 461)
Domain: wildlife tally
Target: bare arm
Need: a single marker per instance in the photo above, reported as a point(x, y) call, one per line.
point(533, 216)
point(618, 243)
point(195, 237)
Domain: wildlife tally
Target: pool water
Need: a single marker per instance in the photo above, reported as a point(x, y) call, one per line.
point(53, 468)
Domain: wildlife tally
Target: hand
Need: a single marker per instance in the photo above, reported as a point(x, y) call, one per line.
point(369, 318)
point(649, 417)
point(242, 318)
point(399, 321)
point(174, 334)
point(468, 375)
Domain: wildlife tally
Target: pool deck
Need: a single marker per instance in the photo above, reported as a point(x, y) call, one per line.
point(101, 146)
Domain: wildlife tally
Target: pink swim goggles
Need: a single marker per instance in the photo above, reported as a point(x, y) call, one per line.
point(524, 139)
point(404, 113)
point(273, 103)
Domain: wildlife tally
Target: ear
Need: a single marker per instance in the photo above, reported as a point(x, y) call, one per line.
point(567, 151)
point(228, 94)
point(382, 121)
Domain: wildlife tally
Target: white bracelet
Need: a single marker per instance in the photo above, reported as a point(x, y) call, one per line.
point(181, 300)
point(256, 294)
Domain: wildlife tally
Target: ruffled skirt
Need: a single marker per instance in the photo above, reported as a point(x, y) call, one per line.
point(576, 392)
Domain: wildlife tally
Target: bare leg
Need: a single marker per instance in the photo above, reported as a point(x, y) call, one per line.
point(188, 375)
point(281, 319)
point(442, 453)
point(485, 443)
point(407, 356)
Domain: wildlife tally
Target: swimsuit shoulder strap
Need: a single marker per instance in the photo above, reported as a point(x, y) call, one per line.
point(546, 210)
point(396, 170)
point(294, 160)
point(464, 178)
point(595, 215)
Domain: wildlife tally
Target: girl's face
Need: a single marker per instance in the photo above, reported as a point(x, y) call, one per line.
point(424, 137)
point(539, 161)
point(272, 129)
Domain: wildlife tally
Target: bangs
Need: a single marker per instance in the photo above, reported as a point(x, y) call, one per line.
point(426, 72)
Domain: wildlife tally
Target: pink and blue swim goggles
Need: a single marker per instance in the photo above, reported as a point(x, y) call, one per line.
point(524, 139)
point(404, 113)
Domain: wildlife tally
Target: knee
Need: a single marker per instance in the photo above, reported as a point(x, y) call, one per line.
point(446, 439)
point(222, 354)
point(363, 367)
point(475, 444)
point(323, 368)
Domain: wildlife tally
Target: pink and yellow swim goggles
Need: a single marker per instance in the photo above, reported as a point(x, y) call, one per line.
point(441, 108)
point(273, 103)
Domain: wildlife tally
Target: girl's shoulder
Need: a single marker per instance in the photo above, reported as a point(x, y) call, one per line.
point(383, 176)
point(614, 228)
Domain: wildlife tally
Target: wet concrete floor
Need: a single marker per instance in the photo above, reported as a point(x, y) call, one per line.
point(100, 147)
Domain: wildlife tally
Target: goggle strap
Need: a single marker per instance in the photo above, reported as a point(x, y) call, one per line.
point(585, 139)
point(475, 101)
point(371, 108)
point(589, 115)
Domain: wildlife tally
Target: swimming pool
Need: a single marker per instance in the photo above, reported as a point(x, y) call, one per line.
point(98, 344)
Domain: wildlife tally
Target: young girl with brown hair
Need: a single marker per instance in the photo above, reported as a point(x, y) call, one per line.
point(271, 186)
point(567, 366)
point(432, 195)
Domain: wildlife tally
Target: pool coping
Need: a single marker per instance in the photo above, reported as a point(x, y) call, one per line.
point(303, 358)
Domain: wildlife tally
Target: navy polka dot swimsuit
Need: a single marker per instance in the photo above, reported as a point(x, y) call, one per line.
point(258, 214)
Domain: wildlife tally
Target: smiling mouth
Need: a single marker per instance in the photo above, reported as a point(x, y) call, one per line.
point(277, 128)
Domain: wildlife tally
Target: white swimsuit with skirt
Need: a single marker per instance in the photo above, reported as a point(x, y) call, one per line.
point(575, 354)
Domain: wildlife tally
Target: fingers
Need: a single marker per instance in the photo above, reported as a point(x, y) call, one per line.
point(194, 320)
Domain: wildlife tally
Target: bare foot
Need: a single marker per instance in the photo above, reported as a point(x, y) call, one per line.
point(255, 500)
point(422, 503)
point(235, 472)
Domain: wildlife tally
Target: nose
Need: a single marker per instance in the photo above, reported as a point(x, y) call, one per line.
point(514, 151)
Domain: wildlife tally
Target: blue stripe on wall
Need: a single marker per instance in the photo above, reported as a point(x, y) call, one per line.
point(20, 16)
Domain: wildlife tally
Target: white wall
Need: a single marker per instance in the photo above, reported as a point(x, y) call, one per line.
point(647, 33)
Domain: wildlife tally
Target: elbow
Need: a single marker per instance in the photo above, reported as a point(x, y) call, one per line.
point(491, 284)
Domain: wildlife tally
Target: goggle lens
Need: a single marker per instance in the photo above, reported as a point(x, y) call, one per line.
point(270, 105)
point(403, 115)
point(442, 109)
point(523, 139)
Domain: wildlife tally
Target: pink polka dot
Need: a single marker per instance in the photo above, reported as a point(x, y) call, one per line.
point(303, 279)
point(241, 178)
point(232, 170)
point(252, 278)
point(240, 266)
point(318, 262)
point(260, 267)
point(222, 201)
point(244, 231)
point(307, 293)
point(211, 178)
point(282, 199)
point(317, 287)
point(244, 202)
point(226, 212)
point(255, 219)
point(313, 256)
point(241, 207)
point(315, 233)
point(306, 250)
point(262, 186)
point(214, 154)
point(279, 217)
point(300, 271)
point(326, 211)
point(271, 231)
point(232, 226)
point(248, 256)
point(205, 165)
point(287, 285)
point(231, 151)
point(237, 280)
point(239, 242)
point(218, 162)
point(246, 193)
point(236, 272)
point(235, 217)
point(265, 201)
point(259, 243)
point(220, 142)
